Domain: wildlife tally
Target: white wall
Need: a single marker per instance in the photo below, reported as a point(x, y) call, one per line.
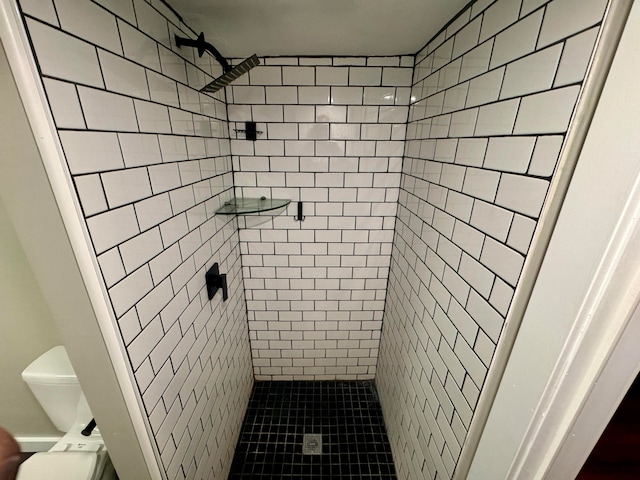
point(26, 331)
point(492, 98)
point(333, 133)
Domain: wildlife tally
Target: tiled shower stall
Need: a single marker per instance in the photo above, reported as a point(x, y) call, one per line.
point(422, 179)
point(333, 139)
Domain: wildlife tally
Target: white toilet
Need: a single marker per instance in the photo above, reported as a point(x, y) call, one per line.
point(75, 457)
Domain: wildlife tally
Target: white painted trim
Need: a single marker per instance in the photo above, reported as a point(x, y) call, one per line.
point(596, 333)
point(16, 46)
point(37, 444)
point(600, 358)
point(606, 394)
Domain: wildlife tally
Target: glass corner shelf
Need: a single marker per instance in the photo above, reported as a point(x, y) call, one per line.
point(245, 206)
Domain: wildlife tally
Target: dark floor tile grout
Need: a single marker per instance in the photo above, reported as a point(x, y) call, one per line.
point(346, 414)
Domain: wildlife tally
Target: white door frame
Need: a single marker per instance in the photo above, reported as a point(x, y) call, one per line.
point(598, 363)
point(601, 357)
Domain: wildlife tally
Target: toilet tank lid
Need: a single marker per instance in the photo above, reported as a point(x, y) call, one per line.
point(53, 366)
point(59, 466)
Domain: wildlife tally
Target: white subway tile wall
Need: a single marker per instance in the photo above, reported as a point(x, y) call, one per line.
point(332, 136)
point(491, 102)
point(452, 152)
point(150, 160)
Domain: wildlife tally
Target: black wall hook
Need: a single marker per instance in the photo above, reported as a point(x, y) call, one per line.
point(299, 217)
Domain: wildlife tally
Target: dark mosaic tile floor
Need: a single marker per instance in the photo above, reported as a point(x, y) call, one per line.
point(347, 415)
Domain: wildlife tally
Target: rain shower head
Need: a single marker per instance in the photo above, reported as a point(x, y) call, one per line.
point(229, 73)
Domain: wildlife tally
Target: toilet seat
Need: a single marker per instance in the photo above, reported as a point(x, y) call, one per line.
point(73, 457)
point(59, 466)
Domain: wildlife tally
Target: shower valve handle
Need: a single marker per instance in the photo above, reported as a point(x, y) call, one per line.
point(216, 280)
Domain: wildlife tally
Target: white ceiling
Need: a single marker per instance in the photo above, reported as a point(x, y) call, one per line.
point(239, 28)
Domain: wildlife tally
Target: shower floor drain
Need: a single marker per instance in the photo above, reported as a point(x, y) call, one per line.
point(312, 444)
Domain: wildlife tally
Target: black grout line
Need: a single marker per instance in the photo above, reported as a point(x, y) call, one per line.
point(471, 289)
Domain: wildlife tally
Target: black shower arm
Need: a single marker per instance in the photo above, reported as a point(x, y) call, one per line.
point(201, 45)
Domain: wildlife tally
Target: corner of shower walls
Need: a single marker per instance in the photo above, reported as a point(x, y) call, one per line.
point(149, 159)
point(332, 136)
point(492, 99)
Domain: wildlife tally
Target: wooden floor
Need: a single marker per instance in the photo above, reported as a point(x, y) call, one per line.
point(617, 453)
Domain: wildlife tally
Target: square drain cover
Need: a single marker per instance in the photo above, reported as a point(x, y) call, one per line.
point(312, 444)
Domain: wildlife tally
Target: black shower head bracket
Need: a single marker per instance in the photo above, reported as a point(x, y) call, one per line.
point(203, 46)
point(230, 73)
